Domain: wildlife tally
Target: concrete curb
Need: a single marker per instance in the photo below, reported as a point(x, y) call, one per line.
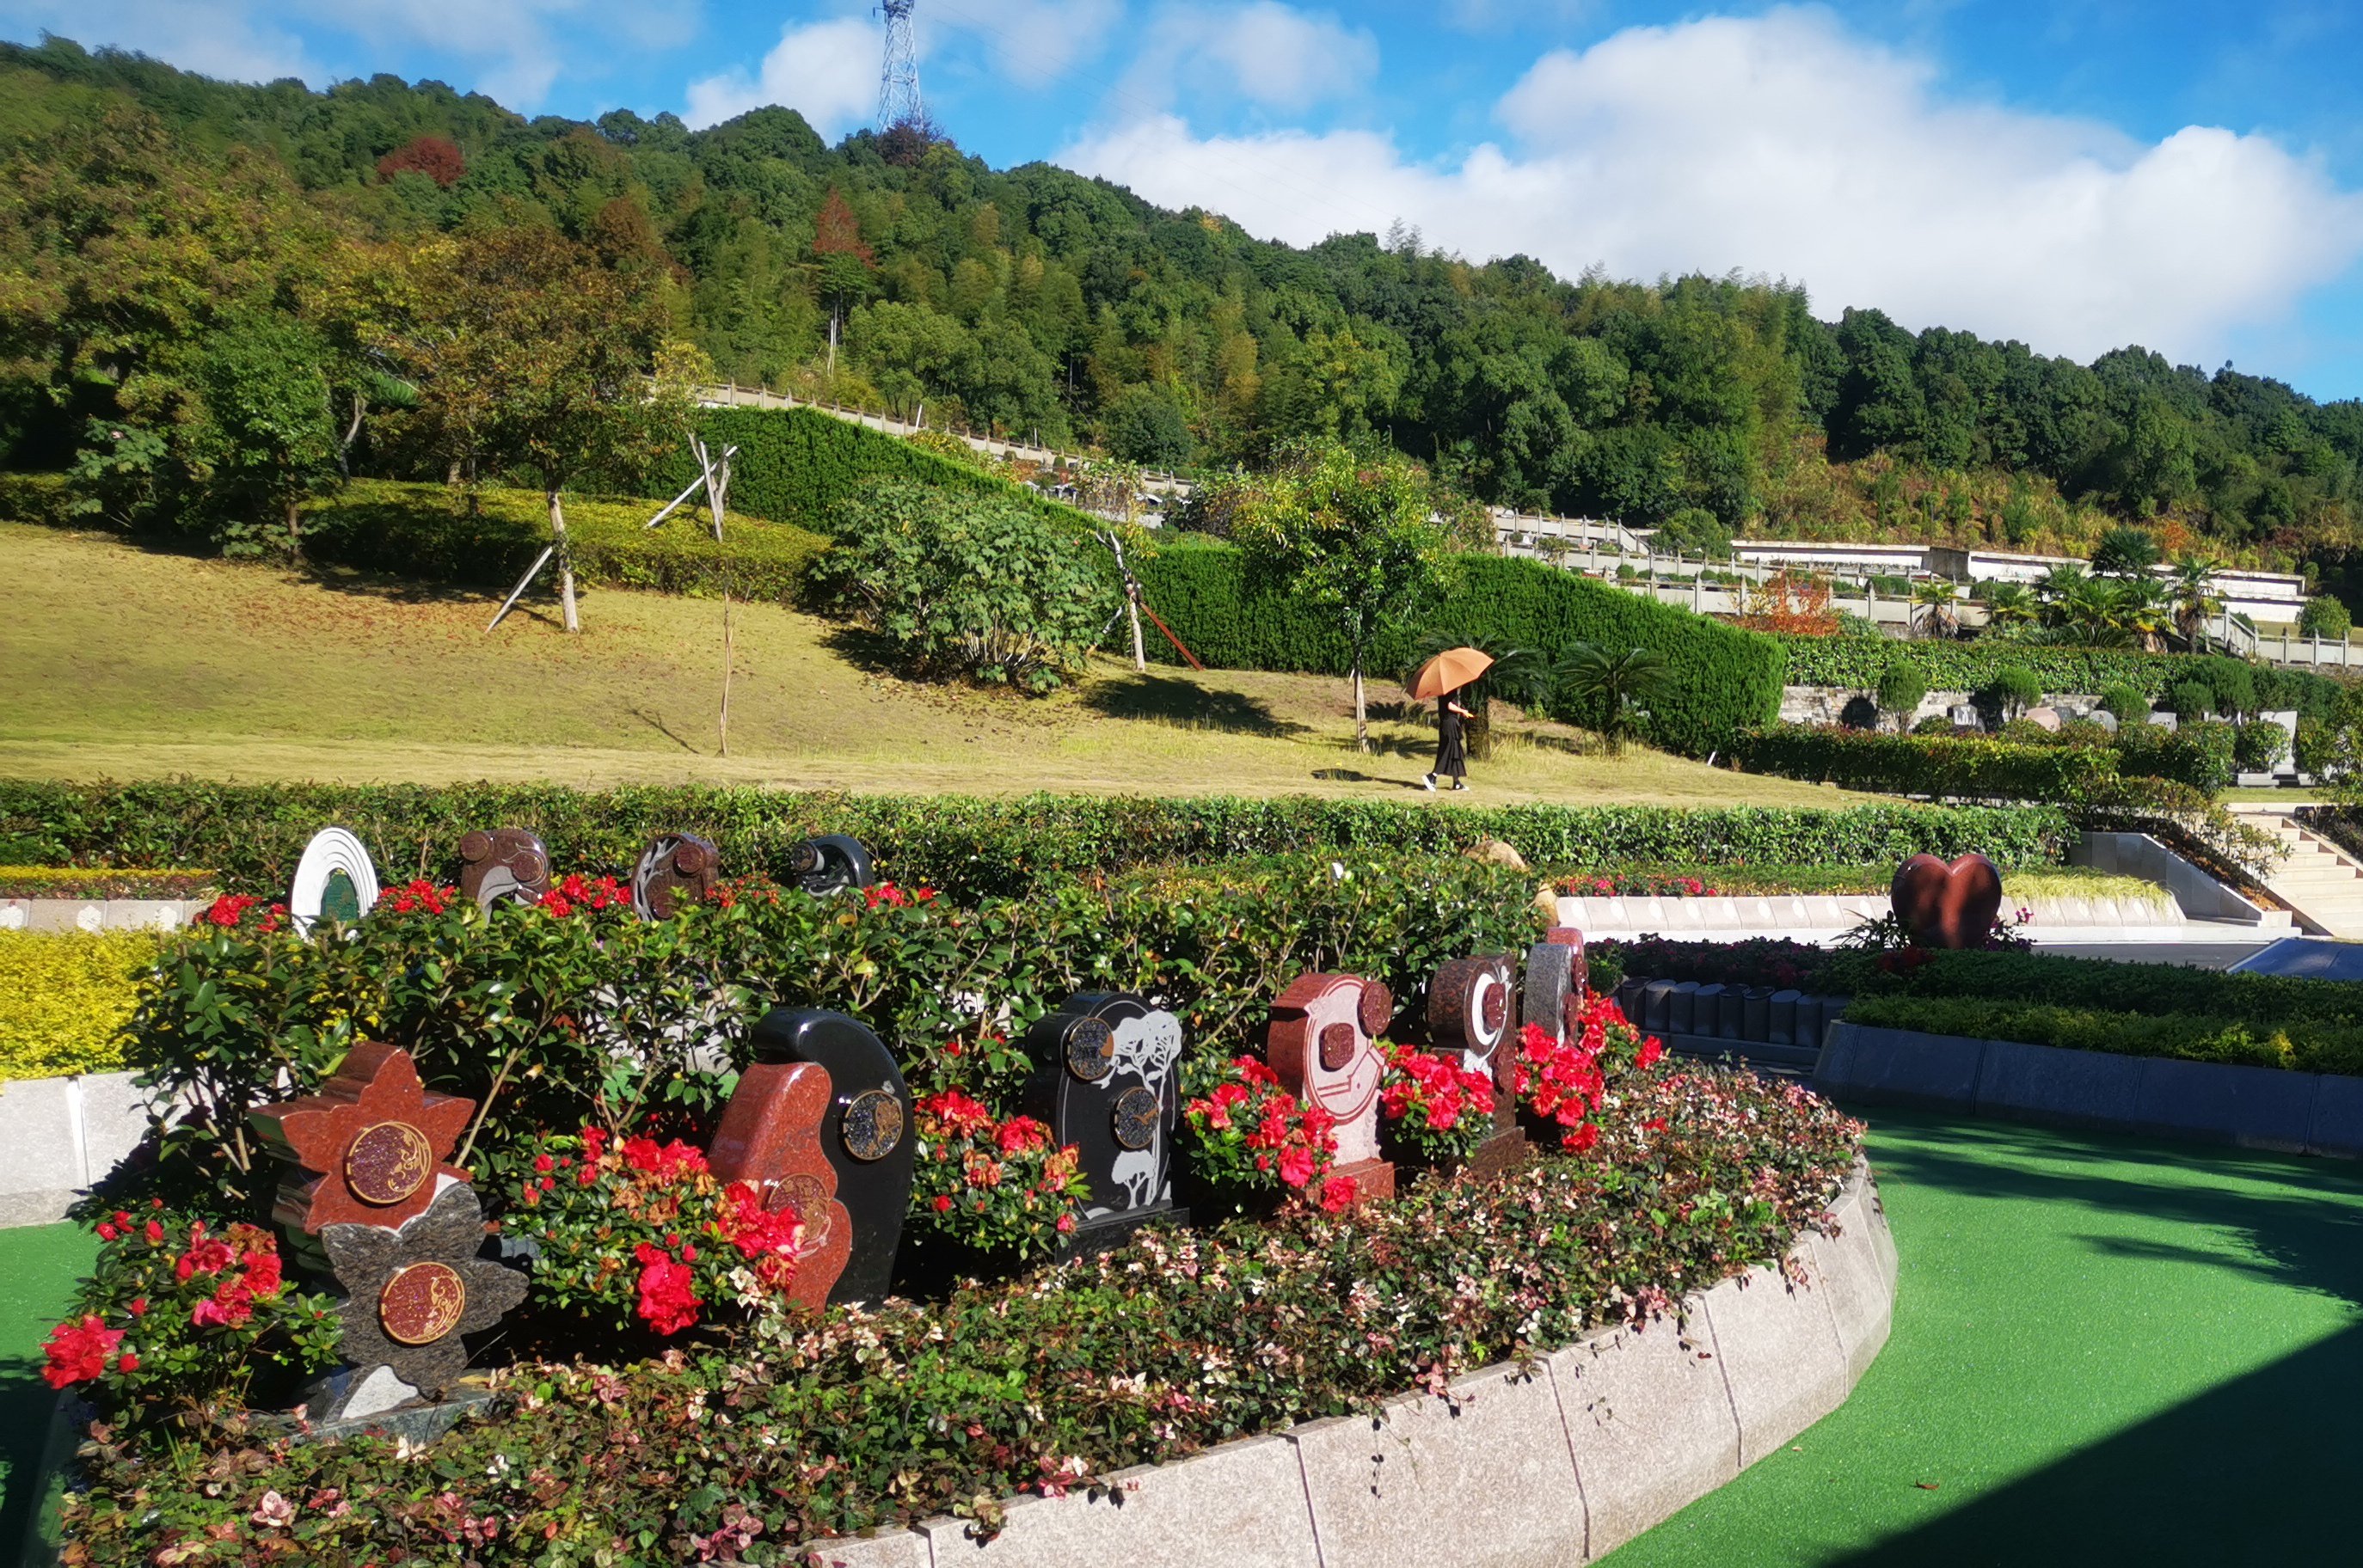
point(99, 914)
point(2207, 1102)
point(59, 1135)
point(1559, 1462)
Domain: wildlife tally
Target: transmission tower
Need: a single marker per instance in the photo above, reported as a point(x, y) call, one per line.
point(898, 85)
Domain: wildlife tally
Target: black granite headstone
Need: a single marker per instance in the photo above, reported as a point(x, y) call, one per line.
point(1107, 1081)
point(866, 1134)
point(832, 863)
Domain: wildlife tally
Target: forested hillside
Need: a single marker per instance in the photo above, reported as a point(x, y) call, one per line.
point(139, 204)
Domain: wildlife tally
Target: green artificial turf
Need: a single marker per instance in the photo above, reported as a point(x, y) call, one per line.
point(2104, 1351)
point(39, 1267)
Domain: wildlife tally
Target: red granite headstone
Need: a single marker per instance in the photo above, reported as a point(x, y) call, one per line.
point(1947, 906)
point(771, 1136)
point(1321, 1043)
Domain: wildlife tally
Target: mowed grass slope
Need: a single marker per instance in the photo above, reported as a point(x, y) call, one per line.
point(125, 663)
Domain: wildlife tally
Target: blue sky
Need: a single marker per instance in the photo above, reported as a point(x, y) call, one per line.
point(2076, 175)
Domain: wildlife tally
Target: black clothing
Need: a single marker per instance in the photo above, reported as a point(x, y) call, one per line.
point(1451, 756)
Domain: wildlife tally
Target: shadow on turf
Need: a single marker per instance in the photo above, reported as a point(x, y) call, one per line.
point(1159, 698)
point(2260, 1470)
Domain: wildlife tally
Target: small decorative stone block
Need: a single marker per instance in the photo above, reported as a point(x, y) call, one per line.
point(504, 866)
point(1781, 1017)
point(770, 1135)
point(1756, 1014)
point(334, 880)
point(1321, 1043)
point(1657, 1007)
point(367, 1149)
point(831, 864)
point(674, 869)
point(1706, 1010)
point(865, 1134)
point(1681, 1007)
point(1105, 1080)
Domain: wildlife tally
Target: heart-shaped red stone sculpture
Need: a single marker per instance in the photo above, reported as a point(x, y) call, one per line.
point(1947, 906)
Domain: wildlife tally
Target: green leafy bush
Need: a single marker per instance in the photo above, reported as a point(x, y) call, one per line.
point(1724, 680)
point(253, 833)
point(1937, 765)
point(2234, 681)
point(1857, 662)
point(2304, 1046)
point(2198, 755)
point(65, 997)
point(426, 531)
point(2127, 704)
point(1902, 686)
point(2257, 746)
point(2013, 689)
point(966, 587)
point(2326, 618)
point(2107, 985)
point(2189, 701)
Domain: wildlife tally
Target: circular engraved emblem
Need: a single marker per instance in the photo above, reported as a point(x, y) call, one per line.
point(1135, 1118)
point(388, 1162)
point(422, 1303)
point(1377, 1008)
point(874, 1124)
point(1090, 1049)
point(808, 1195)
point(804, 860)
point(1338, 1042)
point(1492, 1006)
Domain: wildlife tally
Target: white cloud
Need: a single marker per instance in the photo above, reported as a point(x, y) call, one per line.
point(1033, 42)
point(226, 40)
point(827, 71)
point(1784, 145)
point(1267, 54)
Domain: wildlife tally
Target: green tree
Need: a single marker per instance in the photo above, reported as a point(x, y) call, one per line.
point(2126, 552)
point(845, 269)
point(1611, 688)
point(2325, 617)
point(525, 349)
point(1902, 686)
point(2194, 599)
point(1351, 536)
point(267, 439)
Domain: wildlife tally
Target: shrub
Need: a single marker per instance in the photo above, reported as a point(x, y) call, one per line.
point(2234, 681)
point(2013, 689)
point(1933, 724)
point(995, 1187)
point(1770, 961)
point(81, 882)
point(1245, 1134)
point(972, 588)
point(1724, 680)
point(2127, 704)
point(2271, 1000)
point(2326, 618)
point(2255, 747)
point(2190, 700)
point(2305, 1046)
point(2322, 749)
point(64, 1000)
point(2197, 754)
point(1902, 688)
point(1940, 766)
point(425, 532)
point(974, 848)
point(1433, 1106)
point(1857, 662)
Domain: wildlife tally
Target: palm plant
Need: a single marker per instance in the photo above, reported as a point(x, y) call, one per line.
point(2010, 604)
point(2195, 601)
point(1935, 608)
point(1611, 686)
point(2141, 613)
point(1521, 675)
point(2059, 584)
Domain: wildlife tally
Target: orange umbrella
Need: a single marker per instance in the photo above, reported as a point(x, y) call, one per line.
point(1448, 671)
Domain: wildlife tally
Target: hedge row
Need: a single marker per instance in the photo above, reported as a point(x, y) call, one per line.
point(2268, 1000)
point(1943, 767)
point(1857, 662)
point(2305, 1046)
point(252, 834)
point(426, 531)
point(64, 998)
point(1722, 679)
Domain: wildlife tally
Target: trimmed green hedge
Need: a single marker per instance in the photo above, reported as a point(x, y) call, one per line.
point(1937, 765)
point(1724, 680)
point(2108, 986)
point(2304, 1045)
point(425, 531)
point(1858, 662)
point(252, 834)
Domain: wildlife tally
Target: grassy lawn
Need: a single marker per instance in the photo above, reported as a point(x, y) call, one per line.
point(38, 1267)
point(2104, 1351)
point(125, 663)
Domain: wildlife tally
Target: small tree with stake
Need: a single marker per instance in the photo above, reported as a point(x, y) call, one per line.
point(531, 353)
point(1351, 536)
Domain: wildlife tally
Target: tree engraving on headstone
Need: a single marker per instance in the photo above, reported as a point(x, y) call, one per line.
point(1106, 1080)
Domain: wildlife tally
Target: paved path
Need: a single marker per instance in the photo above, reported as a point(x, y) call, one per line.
point(2105, 1352)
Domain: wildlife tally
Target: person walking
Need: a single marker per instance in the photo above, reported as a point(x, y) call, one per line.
point(1451, 750)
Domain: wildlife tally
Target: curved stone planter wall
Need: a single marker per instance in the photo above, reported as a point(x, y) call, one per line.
point(99, 914)
point(1554, 1463)
point(58, 1135)
point(2208, 1103)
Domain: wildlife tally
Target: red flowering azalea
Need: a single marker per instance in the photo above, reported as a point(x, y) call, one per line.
point(77, 1352)
point(994, 1185)
point(668, 1297)
point(1434, 1103)
point(1251, 1132)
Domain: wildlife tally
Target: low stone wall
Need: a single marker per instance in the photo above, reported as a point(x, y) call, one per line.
point(2210, 1102)
point(99, 914)
point(60, 1134)
point(1556, 1462)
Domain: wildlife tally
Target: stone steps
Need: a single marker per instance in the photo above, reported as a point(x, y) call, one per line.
point(2320, 881)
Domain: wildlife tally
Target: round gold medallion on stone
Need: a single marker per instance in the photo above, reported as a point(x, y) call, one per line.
point(422, 1303)
point(1090, 1049)
point(1135, 1118)
point(874, 1124)
point(388, 1162)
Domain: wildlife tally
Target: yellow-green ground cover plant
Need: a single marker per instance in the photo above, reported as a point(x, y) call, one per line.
point(65, 997)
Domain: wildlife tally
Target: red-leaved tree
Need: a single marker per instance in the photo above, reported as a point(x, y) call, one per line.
point(435, 157)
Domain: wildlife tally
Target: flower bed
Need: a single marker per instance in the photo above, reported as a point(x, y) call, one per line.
point(103, 882)
point(65, 997)
point(811, 1428)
